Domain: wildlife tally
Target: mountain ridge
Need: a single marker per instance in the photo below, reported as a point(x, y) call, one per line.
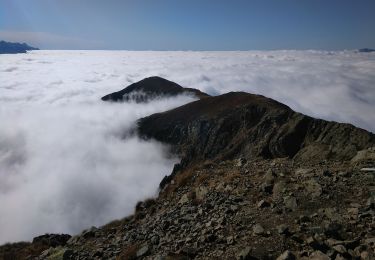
point(234, 118)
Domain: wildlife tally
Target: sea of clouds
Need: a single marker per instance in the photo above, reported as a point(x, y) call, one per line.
point(66, 162)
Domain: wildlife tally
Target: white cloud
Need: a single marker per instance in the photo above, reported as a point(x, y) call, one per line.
point(63, 163)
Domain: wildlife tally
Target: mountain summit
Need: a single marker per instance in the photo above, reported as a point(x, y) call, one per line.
point(151, 88)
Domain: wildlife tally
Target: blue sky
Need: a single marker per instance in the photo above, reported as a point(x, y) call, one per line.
point(190, 25)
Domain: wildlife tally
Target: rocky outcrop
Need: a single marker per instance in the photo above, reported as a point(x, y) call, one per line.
point(239, 124)
point(14, 47)
point(151, 88)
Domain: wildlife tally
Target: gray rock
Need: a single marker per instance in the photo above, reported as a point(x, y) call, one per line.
point(269, 177)
point(340, 248)
point(184, 199)
point(155, 240)
point(290, 203)
point(230, 240)
point(241, 162)
point(258, 229)
point(313, 188)
point(318, 255)
point(363, 155)
point(282, 229)
point(287, 255)
point(263, 204)
point(278, 189)
point(244, 254)
point(143, 251)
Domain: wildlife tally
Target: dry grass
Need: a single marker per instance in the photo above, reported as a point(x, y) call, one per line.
point(21, 250)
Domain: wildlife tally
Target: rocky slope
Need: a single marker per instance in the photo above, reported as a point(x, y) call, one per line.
point(256, 181)
point(14, 47)
point(151, 88)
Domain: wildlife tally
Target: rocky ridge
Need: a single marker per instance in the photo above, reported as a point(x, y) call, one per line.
point(240, 124)
point(256, 181)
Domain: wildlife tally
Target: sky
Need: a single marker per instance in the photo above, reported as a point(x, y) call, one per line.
point(189, 25)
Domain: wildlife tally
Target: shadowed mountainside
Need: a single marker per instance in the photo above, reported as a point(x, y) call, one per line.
point(151, 88)
point(239, 124)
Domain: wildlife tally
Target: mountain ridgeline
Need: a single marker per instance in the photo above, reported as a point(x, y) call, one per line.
point(239, 124)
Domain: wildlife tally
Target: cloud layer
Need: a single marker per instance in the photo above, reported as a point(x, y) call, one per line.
point(65, 163)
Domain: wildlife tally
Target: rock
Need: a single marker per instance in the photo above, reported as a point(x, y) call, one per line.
point(98, 253)
point(304, 219)
point(184, 199)
point(315, 244)
point(269, 177)
point(303, 171)
point(364, 155)
point(340, 248)
point(143, 251)
point(282, 229)
point(365, 255)
point(155, 240)
point(258, 229)
point(263, 204)
point(339, 257)
point(313, 188)
point(244, 254)
point(287, 255)
point(278, 189)
point(290, 203)
point(266, 188)
point(241, 162)
point(318, 255)
point(230, 240)
point(334, 230)
point(189, 251)
point(370, 241)
point(200, 192)
point(327, 173)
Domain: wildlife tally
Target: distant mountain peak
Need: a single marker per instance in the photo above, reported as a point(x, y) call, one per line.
point(14, 47)
point(151, 88)
point(366, 50)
